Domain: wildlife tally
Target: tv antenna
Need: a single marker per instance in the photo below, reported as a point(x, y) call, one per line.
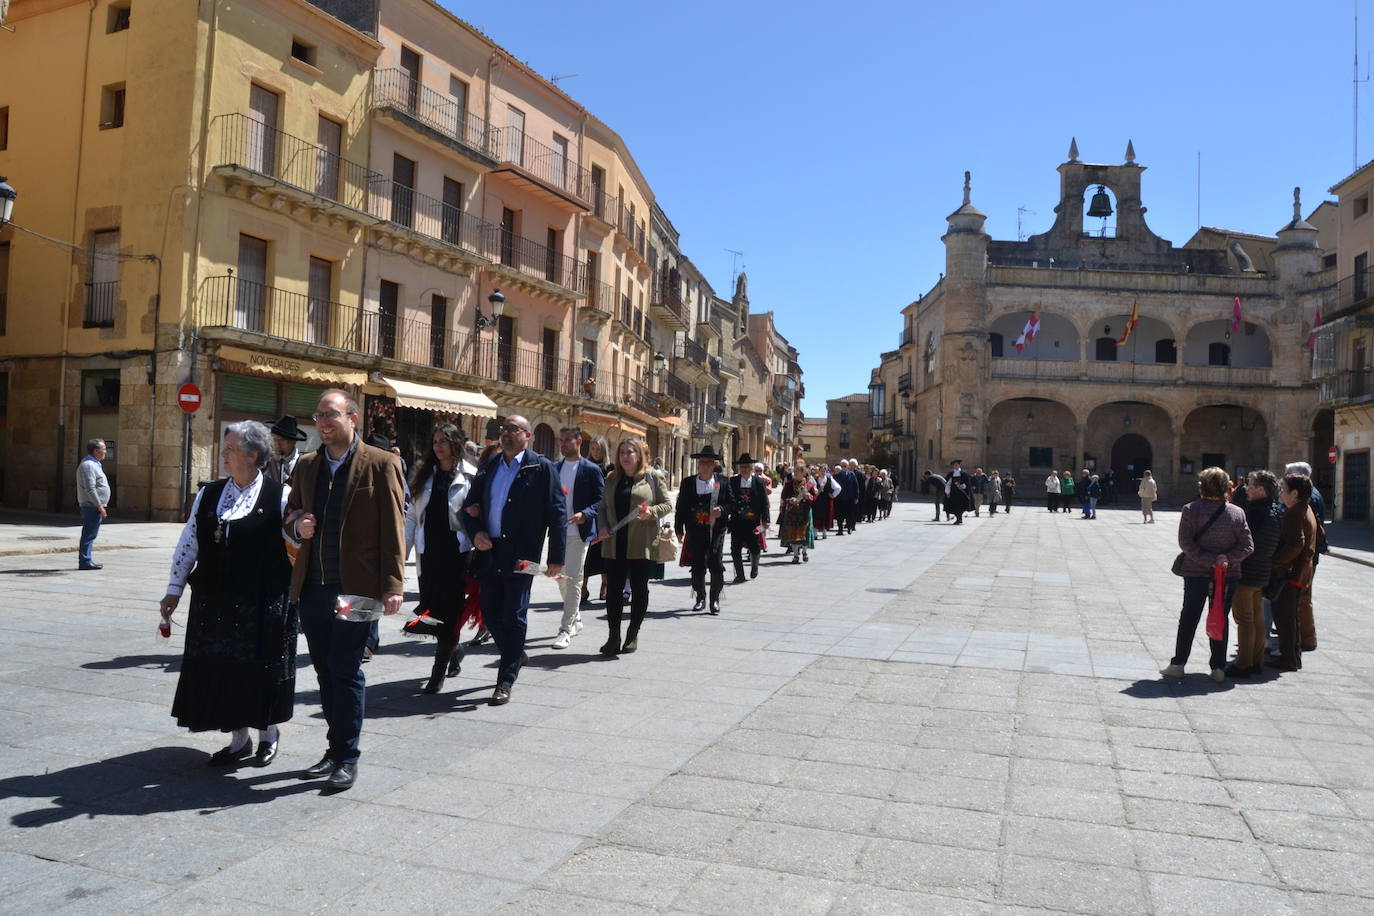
point(734, 262)
point(565, 76)
point(1355, 86)
point(1020, 212)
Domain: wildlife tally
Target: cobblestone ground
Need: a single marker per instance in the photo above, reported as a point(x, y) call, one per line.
point(921, 719)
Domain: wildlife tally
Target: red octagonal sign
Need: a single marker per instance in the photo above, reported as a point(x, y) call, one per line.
point(188, 397)
point(1332, 453)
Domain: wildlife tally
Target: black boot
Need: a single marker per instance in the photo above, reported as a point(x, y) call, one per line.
point(631, 640)
point(436, 675)
point(700, 604)
point(612, 646)
point(754, 565)
point(455, 662)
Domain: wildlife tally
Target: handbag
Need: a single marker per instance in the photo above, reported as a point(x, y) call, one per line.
point(1177, 568)
point(666, 545)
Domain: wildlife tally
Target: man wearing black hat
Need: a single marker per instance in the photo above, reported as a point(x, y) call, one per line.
point(703, 511)
point(286, 435)
point(750, 500)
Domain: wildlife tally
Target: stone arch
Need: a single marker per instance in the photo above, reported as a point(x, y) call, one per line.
point(545, 441)
point(1093, 226)
point(1227, 434)
point(1323, 437)
point(1058, 337)
point(1251, 346)
point(1111, 322)
point(1109, 422)
point(1029, 436)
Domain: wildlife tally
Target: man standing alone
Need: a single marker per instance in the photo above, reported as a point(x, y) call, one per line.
point(92, 496)
point(514, 501)
point(582, 483)
point(346, 507)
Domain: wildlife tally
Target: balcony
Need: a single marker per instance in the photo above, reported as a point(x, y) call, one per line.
point(100, 302)
point(1229, 375)
point(635, 394)
point(269, 160)
point(254, 309)
point(694, 352)
point(433, 114)
point(1135, 372)
point(1349, 294)
point(1005, 367)
point(600, 304)
point(677, 388)
point(1348, 386)
point(633, 234)
point(406, 208)
point(1130, 373)
point(904, 382)
point(710, 417)
point(543, 169)
point(522, 257)
point(604, 207)
point(668, 300)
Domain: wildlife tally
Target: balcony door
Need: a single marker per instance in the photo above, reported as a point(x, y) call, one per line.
point(438, 329)
point(505, 348)
point(551, 271)
point(261, 139)
point(549, 359)
point(453, 212)
point(402, 190)
point(508, 229)
point(388, 306)
point(250, 297)
point(317, 304)
point(458, 93)
point(598, 192)
point(515, 135)
point(410, 69)
point(1359, 368)
point(1361, 278)
point(329, 138)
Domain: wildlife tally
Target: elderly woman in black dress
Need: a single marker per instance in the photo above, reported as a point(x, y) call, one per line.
point(238, 668)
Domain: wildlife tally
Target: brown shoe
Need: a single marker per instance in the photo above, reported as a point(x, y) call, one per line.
point(500, 696)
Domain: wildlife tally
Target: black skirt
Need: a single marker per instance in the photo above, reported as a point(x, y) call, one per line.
point(592, 563)
point(238, 669)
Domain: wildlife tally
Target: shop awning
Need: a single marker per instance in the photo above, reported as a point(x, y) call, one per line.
point(447, 400)
point(277, 365)
point(670, 421)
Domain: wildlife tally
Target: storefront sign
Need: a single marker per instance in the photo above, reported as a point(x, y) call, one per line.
point(280, 366)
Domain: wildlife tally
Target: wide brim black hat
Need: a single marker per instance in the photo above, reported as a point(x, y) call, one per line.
point(744, 459)
point(707, 452)
point(287, 428)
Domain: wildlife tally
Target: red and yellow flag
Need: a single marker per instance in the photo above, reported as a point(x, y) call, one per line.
point(1130, 324)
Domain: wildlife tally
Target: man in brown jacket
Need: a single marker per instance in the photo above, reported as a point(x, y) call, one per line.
point(346, 507)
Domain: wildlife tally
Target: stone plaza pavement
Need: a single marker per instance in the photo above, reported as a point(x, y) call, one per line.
point(923, 719)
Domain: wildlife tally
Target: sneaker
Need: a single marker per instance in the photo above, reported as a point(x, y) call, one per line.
point(1172, 671)
point(1218, 675)
point(577, 626)
point(564, 637)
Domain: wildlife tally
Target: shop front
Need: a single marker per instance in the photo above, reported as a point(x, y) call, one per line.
point(406, 413)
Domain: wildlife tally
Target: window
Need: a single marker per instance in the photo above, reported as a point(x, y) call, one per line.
point(515, 135)
point(598, 192)
point(329, 138)
point(453, 211)
point(261, 132)
point(549, 353)
point(1041, 457)
point(844, 418)
point(117, 18)
point(302, 51)
point(4, 282)
point(317, 304)
point(1105, 349)
point(4, 127)
point(402, 190)
point(844, 438)
point(588, 359)
point(112, 106)
point(410, 69)
point(388, 305)
point(505, 348)
point(438, 329)
point(508, 233)
point(551, 264)
point(995, 340)
point(1166, 350)
point(102, 280)
point(1361, 279)
point(560, 160)
point(594, 281)
point(251, 292)
point(1360, 205)
point(458, 91)
point(1218, 354)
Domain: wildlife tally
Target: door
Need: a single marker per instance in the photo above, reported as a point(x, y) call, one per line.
point(549, 354)
point(388, 303)
point(505, 348)
point(551, 271)
point(317, 303)
point(410, 70)
point(453, 211)
point(261, 129)
point(1359, 367)
point(458, 93)
point(1361, 278)
point(250, 295)
point(1131, 458)
point(560, 162)
point(508, 236)
point(438, 329)
point(329, 137)
point(515, 135)
point(1355, 493)
point(598, 192)
point(402, 190)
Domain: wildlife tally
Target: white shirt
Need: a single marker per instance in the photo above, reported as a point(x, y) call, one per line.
point(567, 474)
point(1052, 483)
point(234, 503)
point(705, 487)
point(746, 481)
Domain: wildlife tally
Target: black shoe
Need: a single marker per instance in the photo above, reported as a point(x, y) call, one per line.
point(266, 753)
point(796, 558)
point(323, 768)
point(1280, 664)
point(435, 683)
point(90, 566)
point(226, 756)
point(343, 777)
point(738, 579)
point(715, 608)
point(612, 646)
point(500, 696)
point(631, 643)
point(754, 573)
point(1311, 648)
point(700, 604)
point(1234, 670)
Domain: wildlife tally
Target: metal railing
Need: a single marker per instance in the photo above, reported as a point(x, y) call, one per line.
point(904, 381)
point(601, 296)
point(429, 216)
point(604, 206)
point(677, 388)
point(1349, 293)
point(694, 352)
point(666, 296)
point(393, 88)
point(1347, 386)
point(713, 362)
point(711, 415)
point(247, 143)
point(550, 166)
point(634, 393)
point(100, 304)
point(536, 260)
point(633, 230)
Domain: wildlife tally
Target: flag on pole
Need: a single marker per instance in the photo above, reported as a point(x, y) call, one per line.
point(1316, 323)
point(1130, 324)
point(1235, 316)
point(1028, 332)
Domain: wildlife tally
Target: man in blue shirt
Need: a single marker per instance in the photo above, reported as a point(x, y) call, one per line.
point(513, 503)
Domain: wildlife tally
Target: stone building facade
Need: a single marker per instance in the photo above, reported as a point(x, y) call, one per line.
point(1190, 386)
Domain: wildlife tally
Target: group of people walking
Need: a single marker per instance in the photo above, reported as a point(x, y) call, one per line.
point(1062, 491)
point(1250, 548)
point(959, 492)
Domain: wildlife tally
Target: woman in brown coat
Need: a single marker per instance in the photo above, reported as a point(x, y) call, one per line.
point(1293, 563)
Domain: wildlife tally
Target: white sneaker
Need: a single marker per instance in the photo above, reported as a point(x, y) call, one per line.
point(1172, 671)
point(564, 637)
point(577, 627)
point(1218, 675)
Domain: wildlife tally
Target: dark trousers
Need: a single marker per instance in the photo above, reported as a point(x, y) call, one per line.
point(90, 527)
point(939, 500)
point(336, 651)
point(505, 604)
point(1052, 501)
point(740, 541)
point(637, 573)
point(706, 555)
point(1196, 591)
point(1288, 622)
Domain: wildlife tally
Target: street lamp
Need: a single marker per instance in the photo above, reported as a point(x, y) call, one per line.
point(498, 308)
point(660, 363)
point(7, 196)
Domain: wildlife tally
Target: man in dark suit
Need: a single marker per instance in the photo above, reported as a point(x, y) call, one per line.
point(582, 483)
point(515, 500)
point(347, 508)
point(750, 501)
point(847, 503)
point(703, 506)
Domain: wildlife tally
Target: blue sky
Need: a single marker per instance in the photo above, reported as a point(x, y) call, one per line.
point(828, 141)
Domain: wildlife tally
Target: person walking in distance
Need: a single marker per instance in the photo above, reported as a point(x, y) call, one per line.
point(994, 491)
point(1148, 493)
point(1008, 491)
point(977, 490)
point(514, 503)
point(92, 496)
point(347, 509)
point(286, 440)
point(583, 485)
point(702, 510)
point(1052, 492)
point(750, 502)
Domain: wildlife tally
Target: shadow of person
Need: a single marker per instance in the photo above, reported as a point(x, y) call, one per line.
point(151, 781)
point(170, 663)
point(1161, 688)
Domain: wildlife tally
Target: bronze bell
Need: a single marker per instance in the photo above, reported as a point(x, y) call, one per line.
point(1101, 204)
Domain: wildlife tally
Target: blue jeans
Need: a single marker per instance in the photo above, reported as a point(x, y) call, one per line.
point(90, 527)
point(1196, 591)
point(505, 604)
point(336, 650)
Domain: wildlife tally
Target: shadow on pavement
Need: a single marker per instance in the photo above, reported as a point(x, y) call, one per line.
point(1193, 685)
point(170, 663)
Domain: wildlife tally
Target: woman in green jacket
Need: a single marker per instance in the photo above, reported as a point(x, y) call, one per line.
point(639, 495)
point(1066, 492)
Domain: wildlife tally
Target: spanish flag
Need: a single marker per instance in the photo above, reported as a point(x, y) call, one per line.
point(1130, 324)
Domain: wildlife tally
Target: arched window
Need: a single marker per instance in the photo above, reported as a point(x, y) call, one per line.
point(995, 340)
point(545, 442)
point(1218, 354)
point(1106, 349)
point(1166, 350)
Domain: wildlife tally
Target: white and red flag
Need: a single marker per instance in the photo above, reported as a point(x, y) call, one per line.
point(1028, 332)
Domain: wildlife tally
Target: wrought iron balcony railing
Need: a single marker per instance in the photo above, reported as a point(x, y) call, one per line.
point(548, 165)
point(394, 89)
point(247, 143)
point(694, 352)
point(100, 304)
point(1347, 386)
point(677, 388)
point(431, 217)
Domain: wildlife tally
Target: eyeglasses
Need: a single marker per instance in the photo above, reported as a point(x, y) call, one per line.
point(323, 416)
point(508, 428)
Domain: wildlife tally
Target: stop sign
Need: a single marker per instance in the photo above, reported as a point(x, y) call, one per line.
point(188, 397)
point(1331, 454)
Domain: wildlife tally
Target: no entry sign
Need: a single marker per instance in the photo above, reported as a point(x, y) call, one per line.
point(1332, 453)
point(188, 397)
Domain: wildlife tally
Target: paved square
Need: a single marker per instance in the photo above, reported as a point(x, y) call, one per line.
point(924, 718)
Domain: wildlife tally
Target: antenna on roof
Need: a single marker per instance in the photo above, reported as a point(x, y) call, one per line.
point(1020, 212)
point(1355, 85)
point(565, 76)
point(734, 263)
